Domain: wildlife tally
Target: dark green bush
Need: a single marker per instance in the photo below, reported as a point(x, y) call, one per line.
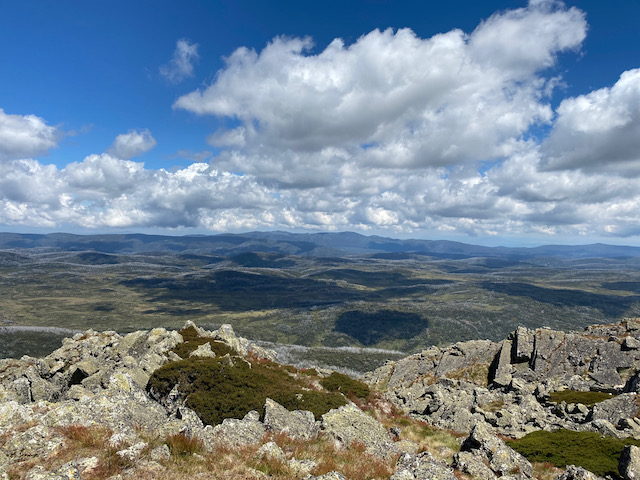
point(338, 382)
point(219, 388)
point(586, 398)
point(590, 450)
point(192, 341)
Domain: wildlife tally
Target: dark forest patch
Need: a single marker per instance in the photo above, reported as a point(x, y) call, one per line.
point(610, 305)
point(371, 328)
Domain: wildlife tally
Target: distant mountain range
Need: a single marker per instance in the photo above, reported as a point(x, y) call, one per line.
point(308, 244)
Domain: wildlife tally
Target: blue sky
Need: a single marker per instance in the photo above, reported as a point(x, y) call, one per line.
point(499, 122)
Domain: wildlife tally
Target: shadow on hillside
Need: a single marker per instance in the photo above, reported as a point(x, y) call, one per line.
point(609, 305)
point(241, 291)
point(372, 328)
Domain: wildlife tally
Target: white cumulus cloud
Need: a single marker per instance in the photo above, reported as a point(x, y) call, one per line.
point(181, 65)
point(132, 144)
point(23, 136)
point(392, 133)
point(600, 130)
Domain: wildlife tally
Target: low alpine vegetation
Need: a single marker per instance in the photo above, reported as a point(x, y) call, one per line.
point(586, 398)
point(229, 386)
point(589, 450)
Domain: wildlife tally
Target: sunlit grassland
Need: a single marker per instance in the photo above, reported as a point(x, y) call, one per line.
point(304, 301)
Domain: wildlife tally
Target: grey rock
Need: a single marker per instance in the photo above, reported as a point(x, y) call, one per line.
point(272, 451)
point(576, 473)
point(133, 452)
point(523, 344)
point(606, 428)
point(327, 476)
point(501, 459)
point(549, 352)
point(502, 375)
point(161, 453)
point(615, 409)
point(631, 343)
point(83, 369)
point(248, 431)
point(296, 424)
point(472, 464)
point(203, 351)
point(348, 424)
point(38, 441)
point(21, 388)
point(421, 466)
point(301, 468)
point(629, 463)
point(68, 471)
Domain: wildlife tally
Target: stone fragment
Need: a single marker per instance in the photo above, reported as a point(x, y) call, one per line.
point(161, 453)
point(616, 408)
point(272, 451)
point(472, 464)
point(133, 452)
point(523, 346)
point(296, 424)
point(630, 343)
point(349, 424)
point(248, 431)
point(502, 375)
point(301, 468)
point(629, 463)
point(576, 473)
point(203, 351)
point(502, 459)
point(328, 476)
point(421, 466)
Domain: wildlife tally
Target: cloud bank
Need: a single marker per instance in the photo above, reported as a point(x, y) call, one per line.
point(393, 133)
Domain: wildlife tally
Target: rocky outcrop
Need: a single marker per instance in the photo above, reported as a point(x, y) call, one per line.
point(506, 385)
point(349, 424)
point(501, 459)
point(482, 388)
point(577, 473)
point(423, 465)
point(629, 464)
point(296, 424)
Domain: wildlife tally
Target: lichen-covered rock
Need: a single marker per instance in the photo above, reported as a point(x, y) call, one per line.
point(472, 464)
point(421, 466)
point(248, 431)
point(203, 351)
point(133, 452)
point(502, 374)
point(576, 473)
point(327, 476)
point(296, 424)
point(629, 463)
point(501, 459)
point(272, 451)
point(615, 409)
point(349, 424)
point(301, 468)
point(68, 471)
point(38, 441)
point(160, 453)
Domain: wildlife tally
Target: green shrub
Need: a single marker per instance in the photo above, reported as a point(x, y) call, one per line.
point(192, 341)
point(338, 382)
point(219, 388)
point(586, 398)
point(590, 450)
